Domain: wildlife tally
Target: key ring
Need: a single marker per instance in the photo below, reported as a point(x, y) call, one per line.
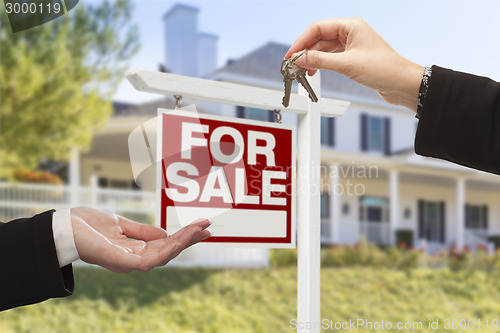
point(178, 101)
point(277, 116)
point(298, 55)
point(288, 61)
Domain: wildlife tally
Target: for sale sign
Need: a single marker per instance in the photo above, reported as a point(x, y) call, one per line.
point(237, 172)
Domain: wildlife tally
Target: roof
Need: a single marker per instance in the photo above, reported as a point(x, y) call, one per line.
point(264, 63)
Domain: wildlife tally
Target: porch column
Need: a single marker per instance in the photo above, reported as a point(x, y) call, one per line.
point(334, 204)
point(460, 212)
point(393, 205)
point(74, 177)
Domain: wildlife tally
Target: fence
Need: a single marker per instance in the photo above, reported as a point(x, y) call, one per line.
point(26, 199)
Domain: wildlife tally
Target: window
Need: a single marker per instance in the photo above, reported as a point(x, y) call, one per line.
point(328, 131)
point(116, 183)
point(254, 114)
point(431, 222)
point(375, 134)
point(102, 182)
point(325, 205)
point(476, 217)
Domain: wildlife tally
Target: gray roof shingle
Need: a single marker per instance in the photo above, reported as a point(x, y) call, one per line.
point(264, 63)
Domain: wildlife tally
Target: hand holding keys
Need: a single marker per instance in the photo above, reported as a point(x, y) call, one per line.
point(291, 72)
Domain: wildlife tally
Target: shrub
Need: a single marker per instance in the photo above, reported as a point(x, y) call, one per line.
point(283, 257)
point(41, 177)
point(495, 240)
point(371, 255)
point(404, 238)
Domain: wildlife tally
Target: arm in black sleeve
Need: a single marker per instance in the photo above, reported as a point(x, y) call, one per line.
point(460, 120)
point(29, 268)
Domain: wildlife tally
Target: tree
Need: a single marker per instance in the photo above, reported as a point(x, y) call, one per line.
point(57, 79)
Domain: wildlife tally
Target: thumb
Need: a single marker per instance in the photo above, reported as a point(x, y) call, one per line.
point(313, 59)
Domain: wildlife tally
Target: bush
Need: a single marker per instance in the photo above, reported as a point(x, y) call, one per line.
point(361, 254)
point(404, 238)
point(403, 258)
point(495, 240)
point(41, 177)
point(283, 257)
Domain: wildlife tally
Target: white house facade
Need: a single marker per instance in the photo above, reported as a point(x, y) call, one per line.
point(373, 184)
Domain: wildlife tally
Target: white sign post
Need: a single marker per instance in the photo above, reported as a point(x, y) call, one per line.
point(308, 162)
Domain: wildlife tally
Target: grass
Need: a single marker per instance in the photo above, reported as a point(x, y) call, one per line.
point(263, 300)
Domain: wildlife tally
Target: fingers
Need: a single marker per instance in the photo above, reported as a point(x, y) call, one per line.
point(313, 60)
point(328, 30)
point(160, 252)
point(189, 235)
point(140, 231)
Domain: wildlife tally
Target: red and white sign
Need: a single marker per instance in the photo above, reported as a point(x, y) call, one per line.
point(237, 172)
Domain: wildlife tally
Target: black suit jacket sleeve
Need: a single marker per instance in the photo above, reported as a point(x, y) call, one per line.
point(460, 120)
point(29, 268)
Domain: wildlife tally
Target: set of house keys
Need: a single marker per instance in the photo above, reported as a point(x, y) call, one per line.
point(290, 72)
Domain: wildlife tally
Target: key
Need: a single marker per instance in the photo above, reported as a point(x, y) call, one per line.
point(299, 74)
point(288, 83)
point(301, 78)
point(291, 72)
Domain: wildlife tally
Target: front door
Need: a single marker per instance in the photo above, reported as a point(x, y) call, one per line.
point(431, 221)
point(374, 219)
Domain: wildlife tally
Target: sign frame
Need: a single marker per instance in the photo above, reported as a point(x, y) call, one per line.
point(291, 227)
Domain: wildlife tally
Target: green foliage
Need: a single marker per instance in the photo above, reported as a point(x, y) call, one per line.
point(31, 176)
point(283, 257)
point(404, 238)
point(361, 254)
point(495, 240)
point(56, 81)
point(260, 300)
point(370, 255)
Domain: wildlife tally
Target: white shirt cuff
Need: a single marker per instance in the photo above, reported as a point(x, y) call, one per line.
point(63, 237)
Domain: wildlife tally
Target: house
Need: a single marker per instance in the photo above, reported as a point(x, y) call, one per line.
point(373, 184)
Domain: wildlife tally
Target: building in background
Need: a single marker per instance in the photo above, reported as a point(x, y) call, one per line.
point(373, 185)
point(188, 51)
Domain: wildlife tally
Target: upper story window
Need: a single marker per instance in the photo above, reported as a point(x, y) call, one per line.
point(375, 134)
point(254, 114)
point(328, 131)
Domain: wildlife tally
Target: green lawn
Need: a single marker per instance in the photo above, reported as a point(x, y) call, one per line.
point(263, 300)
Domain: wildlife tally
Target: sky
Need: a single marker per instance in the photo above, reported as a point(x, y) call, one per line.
point(457, 34)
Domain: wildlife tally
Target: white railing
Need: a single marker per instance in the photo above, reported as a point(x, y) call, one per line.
point(376, 232)
point(475, 237)
point(26, 199)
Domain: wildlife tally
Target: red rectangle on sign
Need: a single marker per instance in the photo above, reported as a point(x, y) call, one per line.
point(237, 172)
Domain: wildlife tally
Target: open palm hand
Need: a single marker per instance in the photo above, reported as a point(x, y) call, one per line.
point(122, 245)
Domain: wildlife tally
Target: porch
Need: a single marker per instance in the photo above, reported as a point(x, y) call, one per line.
point(439, 204)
